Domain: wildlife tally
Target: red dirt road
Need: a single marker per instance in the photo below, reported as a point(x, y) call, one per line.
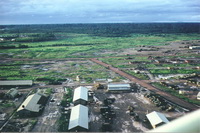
point(167, 96)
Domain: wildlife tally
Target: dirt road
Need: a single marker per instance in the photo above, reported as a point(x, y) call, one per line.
point(167, 96)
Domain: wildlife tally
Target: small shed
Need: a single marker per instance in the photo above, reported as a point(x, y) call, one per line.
point(12, 93)
point(80, 96)
point(156, 119)
point(78, 119)
point(33, 105)
point(119, 87)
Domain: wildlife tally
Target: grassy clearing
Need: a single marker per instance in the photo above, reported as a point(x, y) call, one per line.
point(166, 71)
point(53, 73)
point(171, 65)
point(69, 44)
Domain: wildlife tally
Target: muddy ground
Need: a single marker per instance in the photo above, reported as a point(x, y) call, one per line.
point(123, 122)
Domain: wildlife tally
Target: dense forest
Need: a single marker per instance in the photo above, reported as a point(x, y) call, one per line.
point(107, 30)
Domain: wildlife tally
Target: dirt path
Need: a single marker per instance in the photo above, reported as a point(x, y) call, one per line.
point(167, 96)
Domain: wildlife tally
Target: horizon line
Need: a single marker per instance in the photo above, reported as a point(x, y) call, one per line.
point(103, 23)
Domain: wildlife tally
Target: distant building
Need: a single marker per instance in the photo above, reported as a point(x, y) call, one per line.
point(194, 47)
point(12, 93)
point(78, 119)
point(3, 116)
point(77, 78)
point(185, 91)
point(16, 82)
point(119, 87)
point(33, 105)
point(198, 96)
point(80, 96)
point(100, 81)
point(156, 119)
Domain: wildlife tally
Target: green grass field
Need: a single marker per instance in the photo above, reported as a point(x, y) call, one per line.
point(85, 45)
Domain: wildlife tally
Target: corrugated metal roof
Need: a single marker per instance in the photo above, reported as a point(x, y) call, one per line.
point(16, 82)
point(31, 103)
point(156, 118)
point(13, 92)
point(78, 117)
point(80, 93)
point(119, 86)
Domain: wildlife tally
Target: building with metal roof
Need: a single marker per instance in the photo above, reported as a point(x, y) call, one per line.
point(119, 87)
point(33, 105)
point(12, 93)
point(16, 82)
point(156, 119)
point(79, 119)
point(80, 96)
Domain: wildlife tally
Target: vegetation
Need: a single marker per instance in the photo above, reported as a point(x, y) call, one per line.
point(48, 91)
point(48, 73)
point(33, 122)
point(63, 41)
point(89, 41)
point(67, 97)
point(7, 105)
point(63, 123)
point(166, 71)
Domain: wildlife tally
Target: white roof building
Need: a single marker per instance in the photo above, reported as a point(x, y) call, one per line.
point(118, 87)
point(156, 118)
point(78, 118)
point(80, 93)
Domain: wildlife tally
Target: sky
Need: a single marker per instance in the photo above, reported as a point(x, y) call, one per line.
point(98, 11)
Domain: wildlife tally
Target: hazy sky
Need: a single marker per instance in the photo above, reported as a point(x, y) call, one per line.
point(98, 11)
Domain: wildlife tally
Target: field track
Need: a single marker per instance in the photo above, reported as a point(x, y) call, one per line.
point(167, 96)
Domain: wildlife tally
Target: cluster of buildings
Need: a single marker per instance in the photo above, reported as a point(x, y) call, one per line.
point(79, 113)
point(34, 104)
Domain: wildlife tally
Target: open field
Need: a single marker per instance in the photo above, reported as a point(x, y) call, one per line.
point(56, 57)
